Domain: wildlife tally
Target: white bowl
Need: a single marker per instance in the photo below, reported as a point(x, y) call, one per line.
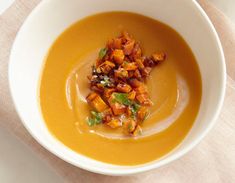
point(52, 17)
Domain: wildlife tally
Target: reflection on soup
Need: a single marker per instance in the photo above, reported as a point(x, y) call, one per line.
point(174, 87)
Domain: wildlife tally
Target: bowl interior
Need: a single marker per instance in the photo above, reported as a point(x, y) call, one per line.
point(52, 17)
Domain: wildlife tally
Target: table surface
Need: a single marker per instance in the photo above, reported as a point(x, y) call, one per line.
point(19, 164)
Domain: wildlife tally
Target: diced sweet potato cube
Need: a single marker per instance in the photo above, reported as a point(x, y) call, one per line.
point(139, 63)
point(106, 67)
point(129, 66)
point(128, 111)
point(115, 43)
point(91, 96)
point(137, 131)
point(121, 73)
point(118, 56)
point(128, 47)
point(159, 56)
point(135, 82)
point(142, 89)
point(117, 108)
point(114, 123)
point(108, 92)
point(132, 95)
point(97, 102)
point(130, 125)
point(123, 87)
point(142, 113)
point(143, 99)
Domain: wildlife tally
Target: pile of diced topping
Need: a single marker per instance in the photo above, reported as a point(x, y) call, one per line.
point(119, 97)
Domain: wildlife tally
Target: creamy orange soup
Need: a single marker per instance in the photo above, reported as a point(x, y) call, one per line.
point(174, 87)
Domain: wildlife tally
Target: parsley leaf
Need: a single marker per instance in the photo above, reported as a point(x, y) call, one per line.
point(95, 119)
point(102, 52)
point(122, 98)
point(134, 109)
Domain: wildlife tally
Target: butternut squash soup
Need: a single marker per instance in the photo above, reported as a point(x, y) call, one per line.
point(120, 88)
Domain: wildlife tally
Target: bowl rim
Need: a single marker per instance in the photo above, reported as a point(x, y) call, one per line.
point(133, 169)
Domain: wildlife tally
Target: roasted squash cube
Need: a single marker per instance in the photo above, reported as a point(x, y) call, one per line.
point(91, 96)
point(142, 89)
point(142, 113)
point(159, 56)
point(132, 95)
point(106, 67)
point(108, 92)
point(118, 56)
point(139, 63)
point(117, 108)
point(121, 73)
point(129, 126)
point(143, 99)
point(129, 66)
point(114, 123)
point(123, 87)
point(96, 102)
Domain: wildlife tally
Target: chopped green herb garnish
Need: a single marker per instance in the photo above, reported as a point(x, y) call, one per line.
point(122, 98)
point(95, 119)
point(134, 109)
point(102, 52)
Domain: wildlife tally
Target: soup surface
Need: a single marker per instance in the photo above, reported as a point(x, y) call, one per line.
point(174, 88)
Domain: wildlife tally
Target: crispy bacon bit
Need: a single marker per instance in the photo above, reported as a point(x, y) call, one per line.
point(119, 96)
